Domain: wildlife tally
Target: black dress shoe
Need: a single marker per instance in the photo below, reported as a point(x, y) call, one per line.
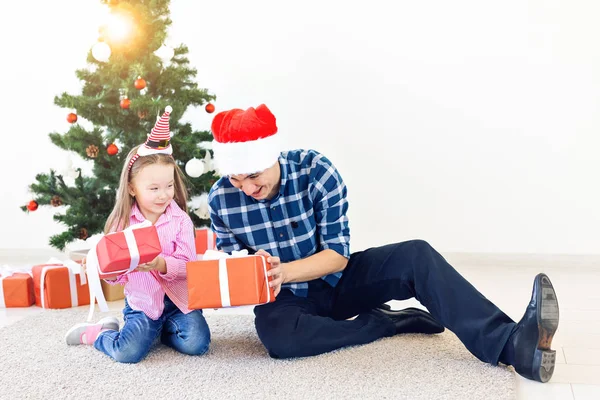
point(409, 320)
point(532, 336)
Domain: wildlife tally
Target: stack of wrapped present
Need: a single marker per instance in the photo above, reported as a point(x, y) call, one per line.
point(54, 284)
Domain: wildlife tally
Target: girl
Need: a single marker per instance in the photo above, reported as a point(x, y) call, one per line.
point(156, 304)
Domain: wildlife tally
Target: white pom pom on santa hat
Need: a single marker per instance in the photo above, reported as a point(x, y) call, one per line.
point(168, 109)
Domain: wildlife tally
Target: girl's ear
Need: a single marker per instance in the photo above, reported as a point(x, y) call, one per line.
point(130, 190)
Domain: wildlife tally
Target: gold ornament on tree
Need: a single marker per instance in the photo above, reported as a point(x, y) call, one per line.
point(92, 151)
point(56, 201)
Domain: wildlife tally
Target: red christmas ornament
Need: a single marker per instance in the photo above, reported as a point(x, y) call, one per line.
point(112, 149)
point(32, 206)
point(125, 103)
point(139, 83)
point(72, 118)
point(210, 108)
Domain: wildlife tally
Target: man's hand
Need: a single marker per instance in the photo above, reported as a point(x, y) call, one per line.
point(276, 271)
point(158, 264)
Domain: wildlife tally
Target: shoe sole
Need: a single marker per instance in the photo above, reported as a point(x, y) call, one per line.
point(544, 358)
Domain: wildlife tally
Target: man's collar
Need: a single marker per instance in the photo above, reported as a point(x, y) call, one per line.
point(284, 175)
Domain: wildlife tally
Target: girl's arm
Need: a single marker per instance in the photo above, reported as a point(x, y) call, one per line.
point(185, 251)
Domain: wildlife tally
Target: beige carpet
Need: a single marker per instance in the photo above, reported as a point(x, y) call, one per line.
point(35, 363)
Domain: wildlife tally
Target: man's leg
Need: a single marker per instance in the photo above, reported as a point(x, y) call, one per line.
point(299, 326)
point(414, 269)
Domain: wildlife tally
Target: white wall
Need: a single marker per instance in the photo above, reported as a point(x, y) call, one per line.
point(473, 125)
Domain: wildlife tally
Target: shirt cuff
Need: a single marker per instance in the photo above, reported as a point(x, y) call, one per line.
point(342, 249)
point(174, 268)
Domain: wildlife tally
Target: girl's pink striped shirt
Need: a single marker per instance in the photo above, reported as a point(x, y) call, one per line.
point(145, 291)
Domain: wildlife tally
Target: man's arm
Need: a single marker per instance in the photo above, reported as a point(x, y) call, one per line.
point(313, 267)
point(320, 264)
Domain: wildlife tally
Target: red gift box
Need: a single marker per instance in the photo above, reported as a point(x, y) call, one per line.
point(115, 256)
point(58, 286)
point(118, 253)
point(229, 282)
point(16, 290)
point(206, 239)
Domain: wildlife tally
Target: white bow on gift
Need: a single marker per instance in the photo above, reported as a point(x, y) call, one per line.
point(92, 266)
point(219, 255)
point(5, 272)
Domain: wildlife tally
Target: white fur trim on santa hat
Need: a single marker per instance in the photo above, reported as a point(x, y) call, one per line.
point(144, 150)
point(247, 157)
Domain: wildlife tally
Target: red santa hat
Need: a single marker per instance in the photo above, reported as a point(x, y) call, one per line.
point(245, 141)
point(159, 139)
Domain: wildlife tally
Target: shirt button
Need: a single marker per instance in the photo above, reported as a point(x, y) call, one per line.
point(281, 235)
point(272, 208)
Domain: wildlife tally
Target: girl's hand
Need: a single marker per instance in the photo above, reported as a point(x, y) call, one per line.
point(158, 264)
point(276, 272)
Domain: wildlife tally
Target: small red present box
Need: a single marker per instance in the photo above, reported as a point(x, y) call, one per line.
point(16, 290)
point(115, 256)
point(59, 286)
point(206, 239)
point(229, 282)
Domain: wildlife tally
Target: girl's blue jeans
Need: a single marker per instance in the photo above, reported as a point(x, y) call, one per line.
point(186, 333)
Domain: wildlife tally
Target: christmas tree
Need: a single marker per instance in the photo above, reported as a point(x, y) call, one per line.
point(131, 77)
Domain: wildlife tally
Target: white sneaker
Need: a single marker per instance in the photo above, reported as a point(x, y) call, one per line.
point(87, 332)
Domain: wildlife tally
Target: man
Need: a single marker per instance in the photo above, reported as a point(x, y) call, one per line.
point(291, 207)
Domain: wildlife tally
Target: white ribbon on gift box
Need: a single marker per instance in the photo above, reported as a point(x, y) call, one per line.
point(210, 239)
point(5, 272)
point(73, 268)
point(224, 278)
point(92, 267)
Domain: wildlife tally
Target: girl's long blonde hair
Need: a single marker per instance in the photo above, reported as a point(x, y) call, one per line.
point(119, 217)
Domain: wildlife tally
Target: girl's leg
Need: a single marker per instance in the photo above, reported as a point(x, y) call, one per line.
point(186, 333)
point(134, 341)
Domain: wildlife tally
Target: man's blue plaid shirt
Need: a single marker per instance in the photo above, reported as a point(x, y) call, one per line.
point(307, 216)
